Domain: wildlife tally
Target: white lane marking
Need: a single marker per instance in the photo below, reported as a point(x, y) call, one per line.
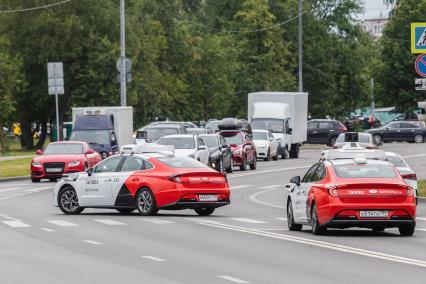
point(156, 221)
point(424, 230)
point(62, 223)
point(271, 186)
point(327, 245)
point(92, 242)
point(232, 279)
point(281, 218)
point(272, 229)
point(16, 224)
point(47, 230)
point(38, 189)
point(241, 186)
point(254, 196)
point(202, 220)
point(15, 195)
point(421, 218)
point(153, 258)
point(109, 222)
point(10, 189)
point(247, 220)
point(268, 171)
point(414, 156)
point(2, 215)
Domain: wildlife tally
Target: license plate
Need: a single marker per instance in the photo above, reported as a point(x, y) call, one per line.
point(207, 197)
point(54, 170)
point(373, 214)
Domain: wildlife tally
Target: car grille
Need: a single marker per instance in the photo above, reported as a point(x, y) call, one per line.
point(48, 166)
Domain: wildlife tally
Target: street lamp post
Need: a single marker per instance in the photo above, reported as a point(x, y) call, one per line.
point(122, 55)
point(300, 45)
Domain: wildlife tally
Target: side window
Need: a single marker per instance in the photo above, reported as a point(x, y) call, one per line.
point(408, 125)
point(200, 141)
point(113, 139)
point(394, 126)
point(320, 173)
point(132, 164)
point(324, 125)
point(148, 165)
point(222, 141)
point(108, 165)
point(312, 125)
point(310, 173)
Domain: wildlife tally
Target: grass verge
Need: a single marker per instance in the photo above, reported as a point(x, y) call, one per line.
point(15, 168)
point(422, 188)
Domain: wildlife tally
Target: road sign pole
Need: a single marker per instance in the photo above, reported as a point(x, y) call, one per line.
point(57, 118)
point(123, 55)
point(300, 46)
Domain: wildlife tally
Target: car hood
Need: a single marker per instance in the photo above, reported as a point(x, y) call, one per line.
point(184, 152)
point(58, 158)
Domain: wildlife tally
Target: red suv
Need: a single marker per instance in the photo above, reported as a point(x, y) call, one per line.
point(242, 147)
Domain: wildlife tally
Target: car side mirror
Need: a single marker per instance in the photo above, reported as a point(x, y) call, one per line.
point(295, 180)
point(89, 171)
point(290, 131)
point(39, 152)
point(90, 151)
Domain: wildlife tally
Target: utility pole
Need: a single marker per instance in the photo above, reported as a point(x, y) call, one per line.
point(123, 78)
point(300, 46)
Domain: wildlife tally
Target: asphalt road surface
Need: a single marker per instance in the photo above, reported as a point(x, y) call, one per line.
point(246, 242)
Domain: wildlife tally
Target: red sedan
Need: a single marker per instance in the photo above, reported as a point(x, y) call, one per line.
point(358, 192)
point(63, 157)
point(147, 182)
point(242, 147)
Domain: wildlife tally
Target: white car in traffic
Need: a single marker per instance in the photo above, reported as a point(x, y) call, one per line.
point(406, 172)
point(266, 144)
point(187, 145)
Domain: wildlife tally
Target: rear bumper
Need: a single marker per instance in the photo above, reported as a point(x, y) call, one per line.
point(346, 223)
point(194, 204)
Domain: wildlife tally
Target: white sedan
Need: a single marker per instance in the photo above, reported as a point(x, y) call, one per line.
point(266, 145)
point(406, 172)
point(187, 145)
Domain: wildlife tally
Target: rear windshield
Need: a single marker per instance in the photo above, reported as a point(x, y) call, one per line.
point(178, 142)
point(397, 161)
point(364, 171)
point(181, 162)
point(211, 141)
point(362, 138)
point(233, 138)
point(156, 133)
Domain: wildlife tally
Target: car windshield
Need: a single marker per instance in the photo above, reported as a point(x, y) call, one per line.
point(181, 162)
point(91, 137)
point(397, 161)
point(260, 135)
point(178, 142)
point(211, 141)
point(63, 148)
point(275, 125)
point(362, 138)
point(233, 138)
point(364, 171)
point(156, 133)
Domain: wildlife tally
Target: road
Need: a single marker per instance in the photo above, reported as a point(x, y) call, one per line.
point(246, 242)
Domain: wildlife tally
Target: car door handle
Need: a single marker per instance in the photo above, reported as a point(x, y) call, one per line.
point(314, 132)
point(331, 130)
point(107, 180)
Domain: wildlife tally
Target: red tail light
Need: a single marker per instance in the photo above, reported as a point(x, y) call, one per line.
point(332, 190)
point(198, 179)
point(410, 176)
point(343, 129)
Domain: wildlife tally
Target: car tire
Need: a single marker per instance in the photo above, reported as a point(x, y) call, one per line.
point(204, 211)
point(125, 210)
point(230, 169)
point(317, 229)
point(145, 202)
point(292, 226)
point(243, 166)
point(407, 230)
point(268, 156)
point(254, 164)
point(294, 151)
point(418, 138)
point(275, 158)
point(332, 141)
point(377, 139)
point(378, 229)
point(68, 201)
point(35, 179)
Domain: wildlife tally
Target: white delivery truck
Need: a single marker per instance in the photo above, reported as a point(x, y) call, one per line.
point(106, 129)
point(285, 114)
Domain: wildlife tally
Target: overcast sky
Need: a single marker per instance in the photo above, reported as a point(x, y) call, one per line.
point(373, 8)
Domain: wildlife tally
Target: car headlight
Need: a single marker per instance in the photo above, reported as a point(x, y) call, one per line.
point(74, 164)
point(36, 164)
point(237, 152)
point(261, 146)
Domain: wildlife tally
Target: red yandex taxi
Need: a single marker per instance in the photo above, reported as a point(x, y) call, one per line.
point(146, 178)
point(63, 157)
point(351, 192)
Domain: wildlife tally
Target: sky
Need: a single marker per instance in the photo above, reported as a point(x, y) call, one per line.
point(373, 8)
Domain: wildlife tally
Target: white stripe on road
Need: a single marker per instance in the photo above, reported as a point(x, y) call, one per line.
point(153, 258)
point(62, 223)
point(232, 279)
point(9, 189)
point(424, 230)
point(16, 224)
point(247, 220)
point(241, 186)
point(271, 186)
point(254, 196)
point(38, 189)
point(156, 221)
point(281, 219)
point(327, 245)
point(92, 242)
point(202, 220)
point(109, 222)
point(47, 230)
point(414, 156)
point(2, 215)
point(421, 218)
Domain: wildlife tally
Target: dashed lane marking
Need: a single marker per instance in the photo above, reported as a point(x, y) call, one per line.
point(109, 222)
point(16, 224)
point(153, 258)
point(254, 196)
point(202, 220)
point(38, 189)
point(62, 223)
point(241, 186)
point(232, 279)
point(271, 186)
point(92, 242)
point(281, 218)
point(47, 230)
point(247, 220)
point(156, 221)
point(421, 218)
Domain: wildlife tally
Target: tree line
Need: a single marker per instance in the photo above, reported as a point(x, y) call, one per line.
point(192, 59)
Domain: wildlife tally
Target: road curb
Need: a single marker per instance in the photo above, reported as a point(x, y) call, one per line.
point(14, 178)
point(421, 200)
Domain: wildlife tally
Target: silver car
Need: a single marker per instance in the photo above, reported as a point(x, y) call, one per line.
point(187, 145)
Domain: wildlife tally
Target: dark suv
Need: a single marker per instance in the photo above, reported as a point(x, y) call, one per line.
point(324, 131)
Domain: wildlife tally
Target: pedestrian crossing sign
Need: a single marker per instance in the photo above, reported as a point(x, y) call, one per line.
point(418, 37)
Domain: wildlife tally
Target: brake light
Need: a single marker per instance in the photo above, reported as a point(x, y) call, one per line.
point(410, 176)
point(198, 179)
point(410, 191)
point(332, 190)
point(343, 129)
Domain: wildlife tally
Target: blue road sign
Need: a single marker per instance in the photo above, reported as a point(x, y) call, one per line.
point(421, 65)
point(418, 37)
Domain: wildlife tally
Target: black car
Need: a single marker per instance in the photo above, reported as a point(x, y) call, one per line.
point(220, 153)
point(399, 131)
point(324, 131)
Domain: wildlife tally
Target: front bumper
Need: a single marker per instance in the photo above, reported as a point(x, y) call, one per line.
point(40, 172)
point(238, 159)
point(262, 152)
